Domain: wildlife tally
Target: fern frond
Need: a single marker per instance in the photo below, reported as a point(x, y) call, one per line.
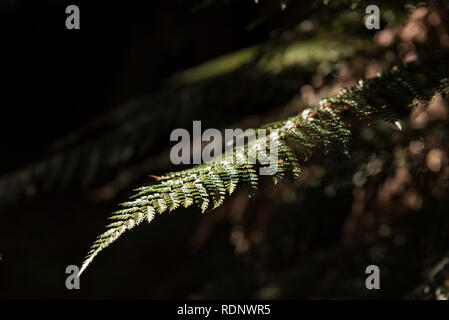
point(321, 127)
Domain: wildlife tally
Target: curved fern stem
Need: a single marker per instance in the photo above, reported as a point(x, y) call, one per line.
point(319, 127)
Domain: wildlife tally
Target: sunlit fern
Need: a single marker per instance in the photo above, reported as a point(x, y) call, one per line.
point(320, 127)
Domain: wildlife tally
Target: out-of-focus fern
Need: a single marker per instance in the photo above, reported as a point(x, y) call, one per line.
point(323, 127)
point(131, 132)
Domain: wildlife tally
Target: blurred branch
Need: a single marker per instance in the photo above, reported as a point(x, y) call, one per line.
point(436, 287)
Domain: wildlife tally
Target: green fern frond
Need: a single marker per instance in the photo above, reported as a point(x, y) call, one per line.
point(321, 127)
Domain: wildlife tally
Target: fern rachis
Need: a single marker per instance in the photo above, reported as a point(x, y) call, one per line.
point(323, 126)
